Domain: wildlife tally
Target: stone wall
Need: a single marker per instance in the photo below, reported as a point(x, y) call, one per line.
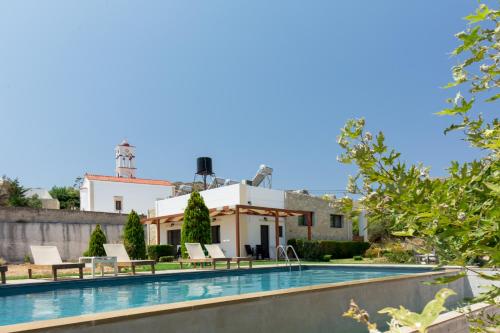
point(321, 229)
point(68, 230)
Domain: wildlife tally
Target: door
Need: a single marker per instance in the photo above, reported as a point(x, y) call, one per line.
point(174, 237)
point(264, 241)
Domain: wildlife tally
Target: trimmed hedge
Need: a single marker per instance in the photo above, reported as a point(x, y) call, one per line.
point(155, 252)
point(317, 249)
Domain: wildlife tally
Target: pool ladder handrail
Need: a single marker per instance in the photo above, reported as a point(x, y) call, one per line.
point(284, 250)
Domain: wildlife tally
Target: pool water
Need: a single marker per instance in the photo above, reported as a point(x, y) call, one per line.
point(20, 304)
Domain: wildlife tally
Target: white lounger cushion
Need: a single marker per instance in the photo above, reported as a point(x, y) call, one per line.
point(45, 255)
point(215, 251)
point(118, 251)
point(195, 251)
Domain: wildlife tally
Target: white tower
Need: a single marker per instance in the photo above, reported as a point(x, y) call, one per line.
point(125, 160)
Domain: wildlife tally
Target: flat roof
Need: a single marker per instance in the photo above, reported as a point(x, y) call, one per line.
point(128, 180)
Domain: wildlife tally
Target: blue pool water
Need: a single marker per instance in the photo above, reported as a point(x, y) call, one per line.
point(19, 304)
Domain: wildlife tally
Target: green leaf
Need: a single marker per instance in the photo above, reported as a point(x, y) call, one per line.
point(493, 98)
point(446, 279)
point(481, 14)
point(494, 187)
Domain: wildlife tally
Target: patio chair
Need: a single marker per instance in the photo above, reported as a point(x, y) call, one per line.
point(215, 252)
point(3, 269)
point(123, 260)
point(47, 257)
point(249, 250)
point(197, 256)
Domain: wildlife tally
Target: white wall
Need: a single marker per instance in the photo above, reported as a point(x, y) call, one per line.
point(214, 198)
point(139, 197)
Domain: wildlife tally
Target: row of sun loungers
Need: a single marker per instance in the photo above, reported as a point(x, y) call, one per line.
point(197, 256)
point(48, 257)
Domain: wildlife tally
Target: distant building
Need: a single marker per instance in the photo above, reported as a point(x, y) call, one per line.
point(123, 192)
point(44, 196)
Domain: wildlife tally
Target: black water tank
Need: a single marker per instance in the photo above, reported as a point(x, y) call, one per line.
point(204, 166)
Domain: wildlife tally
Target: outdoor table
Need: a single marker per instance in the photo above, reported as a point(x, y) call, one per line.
point(100, 261)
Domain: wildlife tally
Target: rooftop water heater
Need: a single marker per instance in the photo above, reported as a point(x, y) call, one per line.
point(264, 176)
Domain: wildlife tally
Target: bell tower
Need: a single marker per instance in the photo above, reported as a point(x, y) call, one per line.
point(125, 160)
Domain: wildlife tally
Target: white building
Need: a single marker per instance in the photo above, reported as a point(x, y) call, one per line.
point(44, 196)
point(248, 217)
point(123, 192)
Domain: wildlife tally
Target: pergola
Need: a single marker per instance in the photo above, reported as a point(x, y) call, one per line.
point(238, 210)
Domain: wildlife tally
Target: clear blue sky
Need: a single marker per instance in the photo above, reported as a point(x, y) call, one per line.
point(245, 82)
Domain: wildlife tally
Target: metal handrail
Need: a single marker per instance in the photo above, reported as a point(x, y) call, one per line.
point(284, 251)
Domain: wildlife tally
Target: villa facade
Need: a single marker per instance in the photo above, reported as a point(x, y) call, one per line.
point(245, 216)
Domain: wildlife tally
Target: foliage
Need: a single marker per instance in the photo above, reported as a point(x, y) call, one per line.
point(374, 251)
point(166, 259)
point(457, 215)
point(357, 258)
point(27, 258)
point(13, 194)
point(69, 197)
point(96, 243)
point(397, 253)
point(2, 261)
point(327, 258)
point(196, 226)
point(155, 252)
point(316, 250)
point(133, 237)
point(402, 317)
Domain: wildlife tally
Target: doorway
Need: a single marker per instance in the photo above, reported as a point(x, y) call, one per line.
point(264, 241)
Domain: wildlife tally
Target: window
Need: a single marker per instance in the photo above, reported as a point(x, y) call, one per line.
point(118, 203)
point(216, 234)
point(303, 220)
point(174, 237)
point(336, 221)
point(280, 231)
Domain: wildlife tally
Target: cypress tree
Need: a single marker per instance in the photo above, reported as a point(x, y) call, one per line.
point(196, 226)
point(96, 243)
point(133, 237)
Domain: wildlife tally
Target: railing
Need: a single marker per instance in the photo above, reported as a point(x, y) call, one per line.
point(282, 249)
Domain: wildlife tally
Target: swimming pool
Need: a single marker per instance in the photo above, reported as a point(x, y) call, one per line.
point(27, 303)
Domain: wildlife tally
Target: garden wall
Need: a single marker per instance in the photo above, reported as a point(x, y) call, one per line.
point(68, 230)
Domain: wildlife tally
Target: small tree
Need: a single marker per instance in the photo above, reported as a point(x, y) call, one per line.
point(196, 226)
point(96, 243)
point(133, 237)
point(68, 197)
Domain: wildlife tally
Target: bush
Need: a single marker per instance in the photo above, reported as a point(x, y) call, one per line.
point(167, 259)
point(374, 251)
point(27, 259)
point(2, 261)
point(357, 258)
point(133, 237)
point(315, 250)
point(96, 243)
point(327, 257)
point(196, 226)
point(155, 252)
point(396, 253)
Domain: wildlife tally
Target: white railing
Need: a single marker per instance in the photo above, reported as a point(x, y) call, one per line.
point(282, 249)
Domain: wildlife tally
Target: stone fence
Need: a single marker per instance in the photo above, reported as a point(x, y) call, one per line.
point(69, 230)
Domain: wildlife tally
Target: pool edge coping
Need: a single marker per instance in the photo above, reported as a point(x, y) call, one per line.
point(160, 309)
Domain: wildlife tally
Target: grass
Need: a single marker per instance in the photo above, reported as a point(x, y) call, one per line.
point(167, 266)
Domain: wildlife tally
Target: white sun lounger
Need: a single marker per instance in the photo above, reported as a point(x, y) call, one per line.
point(215, 252)
point(197, 256)
point(47, 257)
point(123, 260)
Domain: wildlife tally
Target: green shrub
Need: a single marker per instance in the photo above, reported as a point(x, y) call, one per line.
point(396, 253)
point(167, 259)
point(315, 250)
point(2, 261)
point(374, 251)
point(357, 258)
point(196, 226)
point(155, 252)
point(327, 257)
point(27, 259)
point(133, 237)
point(96, 243)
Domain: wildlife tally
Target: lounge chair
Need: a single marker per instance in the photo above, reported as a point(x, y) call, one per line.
point(123, 260)
point(45, 257)
point(215, 252)
point(3, 269)
point(197, 256)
